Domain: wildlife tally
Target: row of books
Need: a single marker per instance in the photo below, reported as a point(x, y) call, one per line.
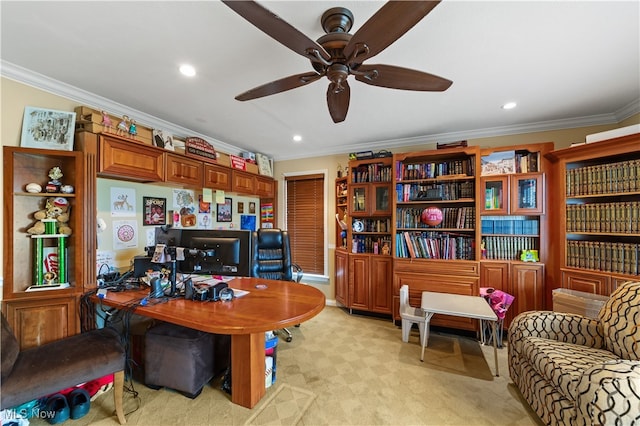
point(376, 172)
point(434, 169)
point(507, 248)
point(376, 225)
point(369, 244)
point(452, 217)
point(527, 162)
point(620, 258)
point(440, 191)
point(433, 245)
point(510, 226)
point(604, 217)
point(610, 178)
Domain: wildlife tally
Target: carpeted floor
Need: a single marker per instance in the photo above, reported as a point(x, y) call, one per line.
point(343, 369)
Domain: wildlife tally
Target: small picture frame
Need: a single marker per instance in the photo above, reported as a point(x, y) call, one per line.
point(224, 211)
point(155, 211)
point(252, 207)
point(240, 207)
point(48, 129)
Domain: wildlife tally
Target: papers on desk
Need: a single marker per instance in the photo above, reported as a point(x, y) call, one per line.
point(211, 280)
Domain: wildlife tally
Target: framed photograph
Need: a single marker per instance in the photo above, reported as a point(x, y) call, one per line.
point(224, 211)
point(155, 211)
point(240, 207)
point(252, 207)
point(48, 129)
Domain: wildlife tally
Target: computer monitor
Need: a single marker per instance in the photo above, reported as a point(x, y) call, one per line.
point(219, 252)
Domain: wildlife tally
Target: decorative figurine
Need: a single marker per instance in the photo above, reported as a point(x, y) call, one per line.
point(123, 126)
point(54, 184)
point(133, 130)
point(107, 124)
point(385, 248)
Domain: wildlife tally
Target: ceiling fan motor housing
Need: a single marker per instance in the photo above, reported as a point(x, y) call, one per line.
point(337, 20)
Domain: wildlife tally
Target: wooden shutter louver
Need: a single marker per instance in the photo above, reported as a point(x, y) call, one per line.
point(305, 221)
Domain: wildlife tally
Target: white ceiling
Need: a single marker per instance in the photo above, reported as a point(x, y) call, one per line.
point(566, 64)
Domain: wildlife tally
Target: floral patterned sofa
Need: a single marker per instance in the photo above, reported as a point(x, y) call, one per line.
point(574, 370)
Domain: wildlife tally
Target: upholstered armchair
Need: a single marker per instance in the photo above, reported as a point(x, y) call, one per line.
point(580, 371)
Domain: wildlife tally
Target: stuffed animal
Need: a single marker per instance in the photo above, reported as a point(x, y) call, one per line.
point(56, 208)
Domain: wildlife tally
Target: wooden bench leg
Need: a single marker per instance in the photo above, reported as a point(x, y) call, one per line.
point(118, 394)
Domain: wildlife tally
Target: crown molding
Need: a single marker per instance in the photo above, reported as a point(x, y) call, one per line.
point(42, 82)
point(47, 84)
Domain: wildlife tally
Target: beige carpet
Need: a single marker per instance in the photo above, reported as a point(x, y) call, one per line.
point(285, 407)
point(343, 369)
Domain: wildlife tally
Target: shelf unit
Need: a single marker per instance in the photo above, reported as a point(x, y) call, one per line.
point(363, 263)
point(38, 317)
point(513, 220)
point(430, 185)
point(341, 259)
point(598, 235)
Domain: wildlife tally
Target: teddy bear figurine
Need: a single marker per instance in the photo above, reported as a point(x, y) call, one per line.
point(56, 208)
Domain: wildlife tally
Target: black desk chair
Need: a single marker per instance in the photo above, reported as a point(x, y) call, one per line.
point(272, 259)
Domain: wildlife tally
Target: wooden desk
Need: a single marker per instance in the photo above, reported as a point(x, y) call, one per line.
point(246, 319)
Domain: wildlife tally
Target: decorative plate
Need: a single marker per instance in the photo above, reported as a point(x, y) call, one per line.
point(358, 226)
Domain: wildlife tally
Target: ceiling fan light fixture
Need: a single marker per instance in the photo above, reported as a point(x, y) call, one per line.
point(509, 105)
point(187, 70)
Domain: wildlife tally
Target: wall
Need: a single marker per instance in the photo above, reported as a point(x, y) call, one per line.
point(107, 242)
point(15, 96)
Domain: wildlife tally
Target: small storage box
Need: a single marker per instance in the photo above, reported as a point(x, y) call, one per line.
point(578, 302)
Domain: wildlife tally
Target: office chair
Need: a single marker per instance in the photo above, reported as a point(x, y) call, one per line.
point(272, 259)
point(410, 315)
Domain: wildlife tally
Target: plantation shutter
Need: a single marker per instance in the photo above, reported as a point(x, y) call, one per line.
point(305, 221)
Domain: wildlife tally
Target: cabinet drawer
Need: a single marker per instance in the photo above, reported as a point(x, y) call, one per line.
point(442, 284)
point(130, 160)
point(182, 170)
point(587, 282)
point(217, 177)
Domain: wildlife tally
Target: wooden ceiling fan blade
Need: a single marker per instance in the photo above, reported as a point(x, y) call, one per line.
point(272, 25)
point(338, 100)
point(278, 86)
point(401, 78)
point(386, 26)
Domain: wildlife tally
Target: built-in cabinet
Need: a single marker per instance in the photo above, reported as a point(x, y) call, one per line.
point(514, 236)
point(435, 226)
point(124, 159)
point(597, 194)
point(363, 262)
point(42, 316)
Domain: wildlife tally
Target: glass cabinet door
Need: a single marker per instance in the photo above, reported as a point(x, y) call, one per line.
point(359, 199)
point(495, 190)
point(528, 193)
point(381, 199)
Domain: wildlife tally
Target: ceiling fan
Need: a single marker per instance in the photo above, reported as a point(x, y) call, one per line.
point(338, 54)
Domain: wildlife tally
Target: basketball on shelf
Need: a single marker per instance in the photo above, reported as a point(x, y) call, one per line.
point(432, 216)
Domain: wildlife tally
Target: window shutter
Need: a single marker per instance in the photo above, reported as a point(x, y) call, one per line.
point(305, 221)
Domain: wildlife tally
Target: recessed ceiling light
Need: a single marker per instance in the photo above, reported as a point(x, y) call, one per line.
point(187, 70)
point(509, 105)
point(297, 138)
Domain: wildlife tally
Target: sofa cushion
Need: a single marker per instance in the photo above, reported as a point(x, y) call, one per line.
point(562, 363)
point(9, 349)
point(620, 317)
